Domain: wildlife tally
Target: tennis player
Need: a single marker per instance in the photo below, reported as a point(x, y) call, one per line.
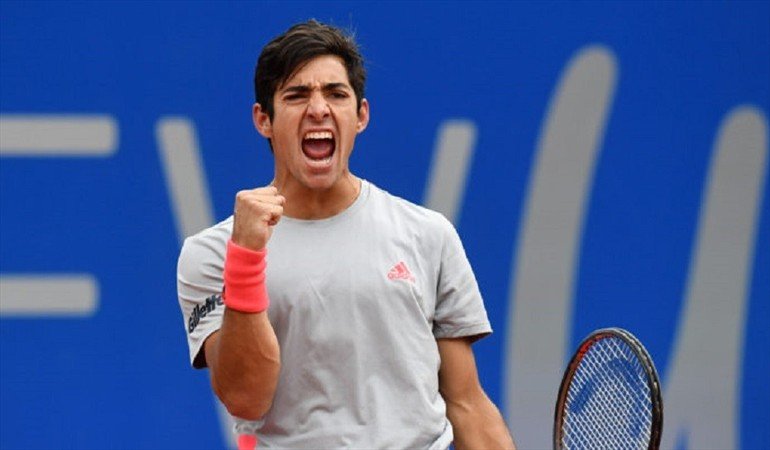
point(330, 313)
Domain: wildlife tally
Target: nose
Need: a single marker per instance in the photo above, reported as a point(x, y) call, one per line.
point(317, 108)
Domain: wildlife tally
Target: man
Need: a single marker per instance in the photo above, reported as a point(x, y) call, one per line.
point(373, 305)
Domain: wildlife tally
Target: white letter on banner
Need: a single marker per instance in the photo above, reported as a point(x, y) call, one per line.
point(703, 381)
point(541, 293)
point(61, 295)
point(58, 135)
point(191, 202)
point(187, 187)
point(449, 169)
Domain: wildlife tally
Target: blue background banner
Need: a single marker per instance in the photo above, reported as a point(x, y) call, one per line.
point(653, 115)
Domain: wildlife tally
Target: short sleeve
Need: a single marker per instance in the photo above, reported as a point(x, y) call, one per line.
point(199, 288)
point(460, 308)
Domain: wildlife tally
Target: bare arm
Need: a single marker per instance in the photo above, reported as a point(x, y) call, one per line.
point(243, 355)
point(476, 421)
point(244, 361)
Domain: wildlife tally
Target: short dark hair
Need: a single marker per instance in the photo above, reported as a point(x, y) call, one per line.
point(286, 54)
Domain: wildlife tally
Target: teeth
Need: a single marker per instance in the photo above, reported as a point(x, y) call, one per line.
point(321, 161)
point(319, 135)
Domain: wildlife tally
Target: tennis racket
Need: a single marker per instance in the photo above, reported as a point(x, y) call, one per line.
point(609, 397)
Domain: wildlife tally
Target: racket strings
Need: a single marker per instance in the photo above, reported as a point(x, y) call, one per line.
point(609, 403)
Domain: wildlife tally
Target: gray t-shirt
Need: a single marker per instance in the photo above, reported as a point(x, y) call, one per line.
point(357, 302)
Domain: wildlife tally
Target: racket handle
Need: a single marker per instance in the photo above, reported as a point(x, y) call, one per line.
point(247, 442)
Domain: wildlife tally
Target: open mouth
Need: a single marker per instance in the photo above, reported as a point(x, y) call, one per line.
point(318, 146)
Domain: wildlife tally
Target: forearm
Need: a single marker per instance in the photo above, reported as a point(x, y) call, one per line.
point(244, 359)
point(477, 424)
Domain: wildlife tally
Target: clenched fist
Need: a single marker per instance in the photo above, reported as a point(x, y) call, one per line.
point(256, 212)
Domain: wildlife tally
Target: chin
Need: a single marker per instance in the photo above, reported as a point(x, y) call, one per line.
point(320, 182)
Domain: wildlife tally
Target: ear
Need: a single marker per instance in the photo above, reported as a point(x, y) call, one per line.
point(363, 116)
point(261, 121)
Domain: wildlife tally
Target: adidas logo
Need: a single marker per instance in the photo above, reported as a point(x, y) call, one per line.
point(400, 272)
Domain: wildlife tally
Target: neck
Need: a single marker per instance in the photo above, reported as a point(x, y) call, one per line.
point(312, 204)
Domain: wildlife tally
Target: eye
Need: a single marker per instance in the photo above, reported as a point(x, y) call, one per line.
point(294, 96)
point(339, 94)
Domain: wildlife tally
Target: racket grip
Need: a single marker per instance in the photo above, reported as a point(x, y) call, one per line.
point(247, 442)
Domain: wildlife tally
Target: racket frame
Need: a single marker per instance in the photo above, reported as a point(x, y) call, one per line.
point(656, 427)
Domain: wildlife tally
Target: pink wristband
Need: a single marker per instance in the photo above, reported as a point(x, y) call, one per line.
point(247, 442)
point(245, 289)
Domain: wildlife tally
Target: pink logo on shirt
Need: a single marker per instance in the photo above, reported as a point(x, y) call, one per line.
point(400, 272)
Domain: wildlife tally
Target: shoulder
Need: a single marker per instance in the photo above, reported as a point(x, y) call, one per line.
point(408, 211)
point(425, 228)
point(206, 248)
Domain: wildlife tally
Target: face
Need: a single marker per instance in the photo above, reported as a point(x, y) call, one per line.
point(314, 126)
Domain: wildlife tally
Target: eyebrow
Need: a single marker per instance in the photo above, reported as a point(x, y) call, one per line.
point(304, 88)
